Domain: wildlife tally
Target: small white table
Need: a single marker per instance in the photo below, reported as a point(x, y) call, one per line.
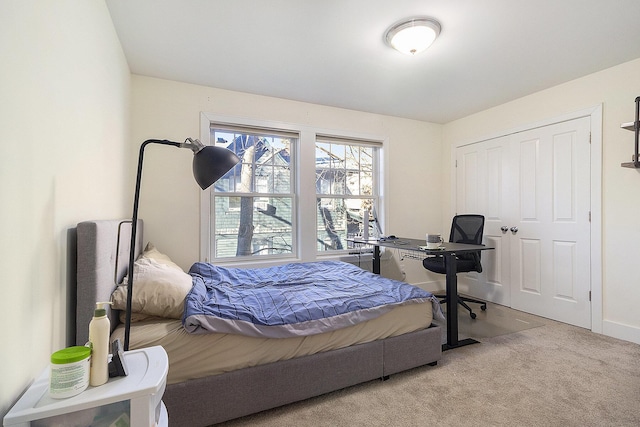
point(136, 398)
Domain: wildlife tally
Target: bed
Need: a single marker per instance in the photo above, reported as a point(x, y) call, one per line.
point(224, 375)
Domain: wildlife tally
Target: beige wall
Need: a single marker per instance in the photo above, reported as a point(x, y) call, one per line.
point(170, 198)
point(66, 155)
point(419, 178)
point(615, 89)
point(63, 158)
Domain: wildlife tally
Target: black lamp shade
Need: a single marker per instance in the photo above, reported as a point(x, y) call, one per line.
point(211, 163)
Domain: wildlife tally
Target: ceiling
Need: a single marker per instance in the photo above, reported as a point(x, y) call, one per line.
point(332, 52)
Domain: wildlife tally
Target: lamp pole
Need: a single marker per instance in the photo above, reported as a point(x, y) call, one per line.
point(134, 230)
point(210, 163)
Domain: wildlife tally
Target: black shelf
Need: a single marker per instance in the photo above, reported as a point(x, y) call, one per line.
point(635, 127)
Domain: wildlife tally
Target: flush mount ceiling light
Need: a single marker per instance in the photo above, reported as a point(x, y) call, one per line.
point(413, 35)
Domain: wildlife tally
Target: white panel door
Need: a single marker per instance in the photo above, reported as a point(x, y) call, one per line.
point(482, 182)
point(550, 231)
point(534, 189)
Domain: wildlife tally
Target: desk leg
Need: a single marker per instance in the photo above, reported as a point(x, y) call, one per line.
point(452, 306)
point(376, 260)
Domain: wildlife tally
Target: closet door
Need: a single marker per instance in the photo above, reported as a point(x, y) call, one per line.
point(482, 176)
point(550, 231)
point(533, 188)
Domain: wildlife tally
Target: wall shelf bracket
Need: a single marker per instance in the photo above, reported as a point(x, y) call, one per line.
point(635, 127)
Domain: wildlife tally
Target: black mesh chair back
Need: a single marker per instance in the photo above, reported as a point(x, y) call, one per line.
point(467, 229)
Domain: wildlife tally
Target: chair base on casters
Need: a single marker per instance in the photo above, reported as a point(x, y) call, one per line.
point(463, 302)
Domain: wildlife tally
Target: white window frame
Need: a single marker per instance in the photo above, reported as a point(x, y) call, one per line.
point(304, 190)
point(377, 147)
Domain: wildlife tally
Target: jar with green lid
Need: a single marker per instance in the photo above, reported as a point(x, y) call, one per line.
point(69, 372)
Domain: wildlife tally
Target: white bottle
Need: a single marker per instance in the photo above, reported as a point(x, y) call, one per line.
point(99, 330)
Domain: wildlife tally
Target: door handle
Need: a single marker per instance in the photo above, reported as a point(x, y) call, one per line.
point(504, 228)
point(514, 229)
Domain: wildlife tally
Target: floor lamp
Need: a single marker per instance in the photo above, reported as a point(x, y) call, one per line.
point(210, 163)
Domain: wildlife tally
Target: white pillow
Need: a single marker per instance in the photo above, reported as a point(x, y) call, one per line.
point(159, 289)
point(150, 252)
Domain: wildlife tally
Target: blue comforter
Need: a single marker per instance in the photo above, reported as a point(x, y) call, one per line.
point(291, 300)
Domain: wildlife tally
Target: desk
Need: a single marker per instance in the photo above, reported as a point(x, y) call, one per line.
point(449, 252)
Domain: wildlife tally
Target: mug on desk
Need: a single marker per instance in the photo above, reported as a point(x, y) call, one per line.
point(434, 241)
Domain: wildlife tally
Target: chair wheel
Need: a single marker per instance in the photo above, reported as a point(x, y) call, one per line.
point(483, 307)
point(473, 315)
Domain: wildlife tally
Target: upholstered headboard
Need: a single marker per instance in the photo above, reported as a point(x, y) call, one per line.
point(102, 263)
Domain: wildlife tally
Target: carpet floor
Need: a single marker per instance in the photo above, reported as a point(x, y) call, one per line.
point(527, 371)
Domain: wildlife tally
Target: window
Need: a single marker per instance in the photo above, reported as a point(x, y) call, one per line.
point(253, 205)
point(346, 187)
point(296, 194)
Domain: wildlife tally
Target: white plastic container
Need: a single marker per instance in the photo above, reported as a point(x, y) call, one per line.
point(99, 329)
point(69, 372)
point(137, 396)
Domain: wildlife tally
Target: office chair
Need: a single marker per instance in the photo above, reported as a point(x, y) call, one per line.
point(464, 229)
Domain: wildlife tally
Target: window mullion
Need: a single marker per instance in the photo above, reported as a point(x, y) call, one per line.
point(306, 181)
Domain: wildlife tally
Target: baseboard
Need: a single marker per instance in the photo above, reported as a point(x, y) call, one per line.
point(621, 331)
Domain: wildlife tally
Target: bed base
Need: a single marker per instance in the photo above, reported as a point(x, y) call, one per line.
point(102, 248)
point(235, 394)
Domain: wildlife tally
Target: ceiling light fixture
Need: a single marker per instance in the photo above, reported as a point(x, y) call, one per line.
point(413, 35)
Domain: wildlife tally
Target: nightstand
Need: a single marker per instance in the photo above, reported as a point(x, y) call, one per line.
point(134, 400)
